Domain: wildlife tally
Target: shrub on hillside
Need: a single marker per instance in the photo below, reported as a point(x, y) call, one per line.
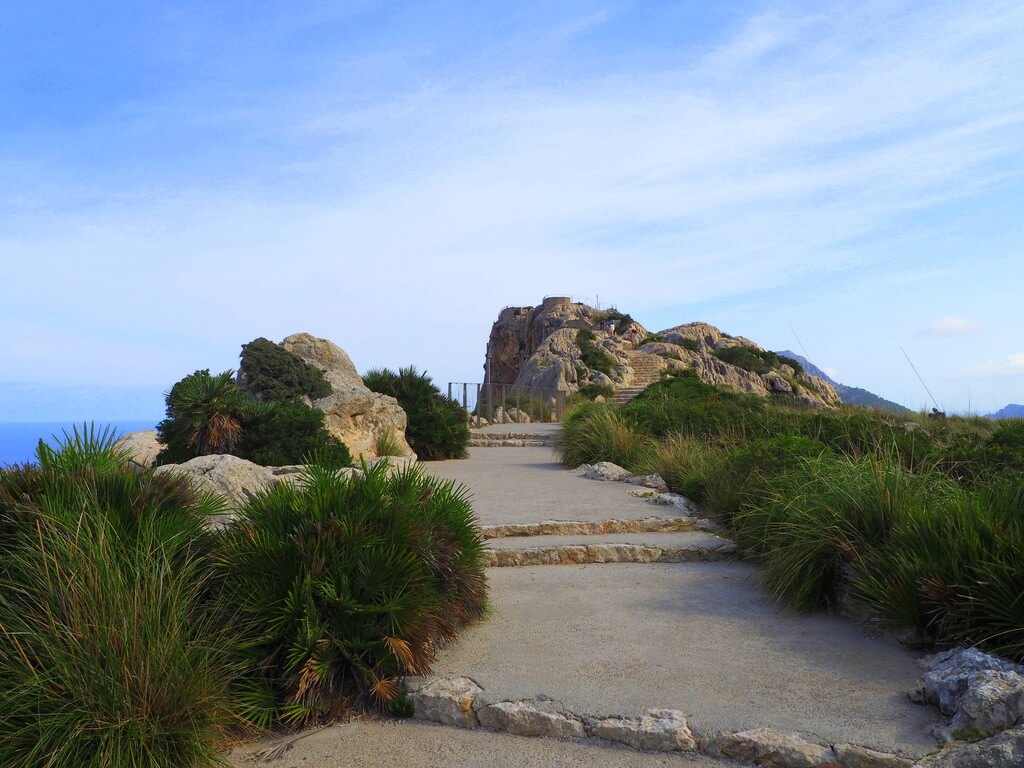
point(111, 653)
point(592, 354)
point(685, 404)
point(273, 374)
point(436, 427)
point(347, 584)
point(592, 391)
point(691, 344)
point(276, 434)
point(748, 358)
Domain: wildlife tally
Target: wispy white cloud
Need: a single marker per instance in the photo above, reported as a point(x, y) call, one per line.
point(954, 325)
point(1011, 365)
point(796, 147)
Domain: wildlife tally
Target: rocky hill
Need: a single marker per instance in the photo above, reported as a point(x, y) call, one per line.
point(849, 395)
point(1011, 411)
point(560, 346)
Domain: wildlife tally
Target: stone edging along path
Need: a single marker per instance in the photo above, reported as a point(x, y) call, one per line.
point(596, 528)
point(459, 702)
point(581, 554)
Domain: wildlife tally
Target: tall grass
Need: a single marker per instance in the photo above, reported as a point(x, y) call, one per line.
point(593, 432)
point(111, 653)
point(904, 519)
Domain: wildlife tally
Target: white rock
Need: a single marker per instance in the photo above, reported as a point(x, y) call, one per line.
point(225, 475)
point(653, 481)
point(658, 730)
point(532, 718)
point(982, 692)
point(605, 470)
point(449, 702)
point(767, 748)
point(993, 701)
point(142, 447)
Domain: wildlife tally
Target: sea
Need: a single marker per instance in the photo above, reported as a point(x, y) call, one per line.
point(18, 440)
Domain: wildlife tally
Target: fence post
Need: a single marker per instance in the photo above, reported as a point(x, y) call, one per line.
point(450, 390)
point(477, 409)
point(465, 398)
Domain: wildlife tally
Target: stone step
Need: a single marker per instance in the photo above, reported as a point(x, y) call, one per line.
point(594, 527)
point(683, 546)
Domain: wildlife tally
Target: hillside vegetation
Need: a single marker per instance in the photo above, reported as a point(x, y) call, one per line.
point(908, 520)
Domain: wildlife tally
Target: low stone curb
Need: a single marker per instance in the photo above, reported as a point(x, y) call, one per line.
point(583, 554)
point(508, 444)
point(461, 702)
point(587, 528)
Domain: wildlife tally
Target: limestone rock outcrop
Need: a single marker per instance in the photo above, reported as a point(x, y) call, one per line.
point(142, 448)
point(352, 412)
point(537, 350)
point(229, 476)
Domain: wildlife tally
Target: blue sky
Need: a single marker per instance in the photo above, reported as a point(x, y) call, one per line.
point(179, 178)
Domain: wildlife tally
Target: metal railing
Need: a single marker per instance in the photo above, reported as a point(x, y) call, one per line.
point(483, 401)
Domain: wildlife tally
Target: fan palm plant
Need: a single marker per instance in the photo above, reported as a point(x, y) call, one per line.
point(346, 584)
point(204, 416)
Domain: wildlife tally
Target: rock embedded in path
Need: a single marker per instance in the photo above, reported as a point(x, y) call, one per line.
point(532, 718)
point(982, 692)
point(768, 748)
point(606, 470)
point(449, 702)
point(852, 756)
point(1004, 750)
point(658, 730)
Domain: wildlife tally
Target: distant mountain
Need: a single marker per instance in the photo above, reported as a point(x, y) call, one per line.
point(848, 394)
point(1012, 411)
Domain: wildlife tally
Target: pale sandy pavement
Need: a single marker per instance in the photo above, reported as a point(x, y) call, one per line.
point(411, 744)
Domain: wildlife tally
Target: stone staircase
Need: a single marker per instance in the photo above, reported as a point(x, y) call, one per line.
point(646, 370)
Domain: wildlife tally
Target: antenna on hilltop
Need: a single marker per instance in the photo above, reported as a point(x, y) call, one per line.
point(914, 368)
point(802, 347)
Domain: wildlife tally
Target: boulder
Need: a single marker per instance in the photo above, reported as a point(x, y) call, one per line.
point(352, 412)
point(605, 470)
point(142, 448)
point(518, 416)
point(852, 756)
point(776, 383)
point(229, 476)
point(449, 702)
point(982, 692)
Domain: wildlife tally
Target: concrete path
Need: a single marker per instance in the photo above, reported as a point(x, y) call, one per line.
point(424, 745)
point(526, 485)
point(700, 637)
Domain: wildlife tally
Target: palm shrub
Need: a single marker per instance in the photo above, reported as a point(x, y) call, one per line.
point(345, 584)
point(437, 425)
point(111, 650)
point(204, 416)
point(211, 414)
